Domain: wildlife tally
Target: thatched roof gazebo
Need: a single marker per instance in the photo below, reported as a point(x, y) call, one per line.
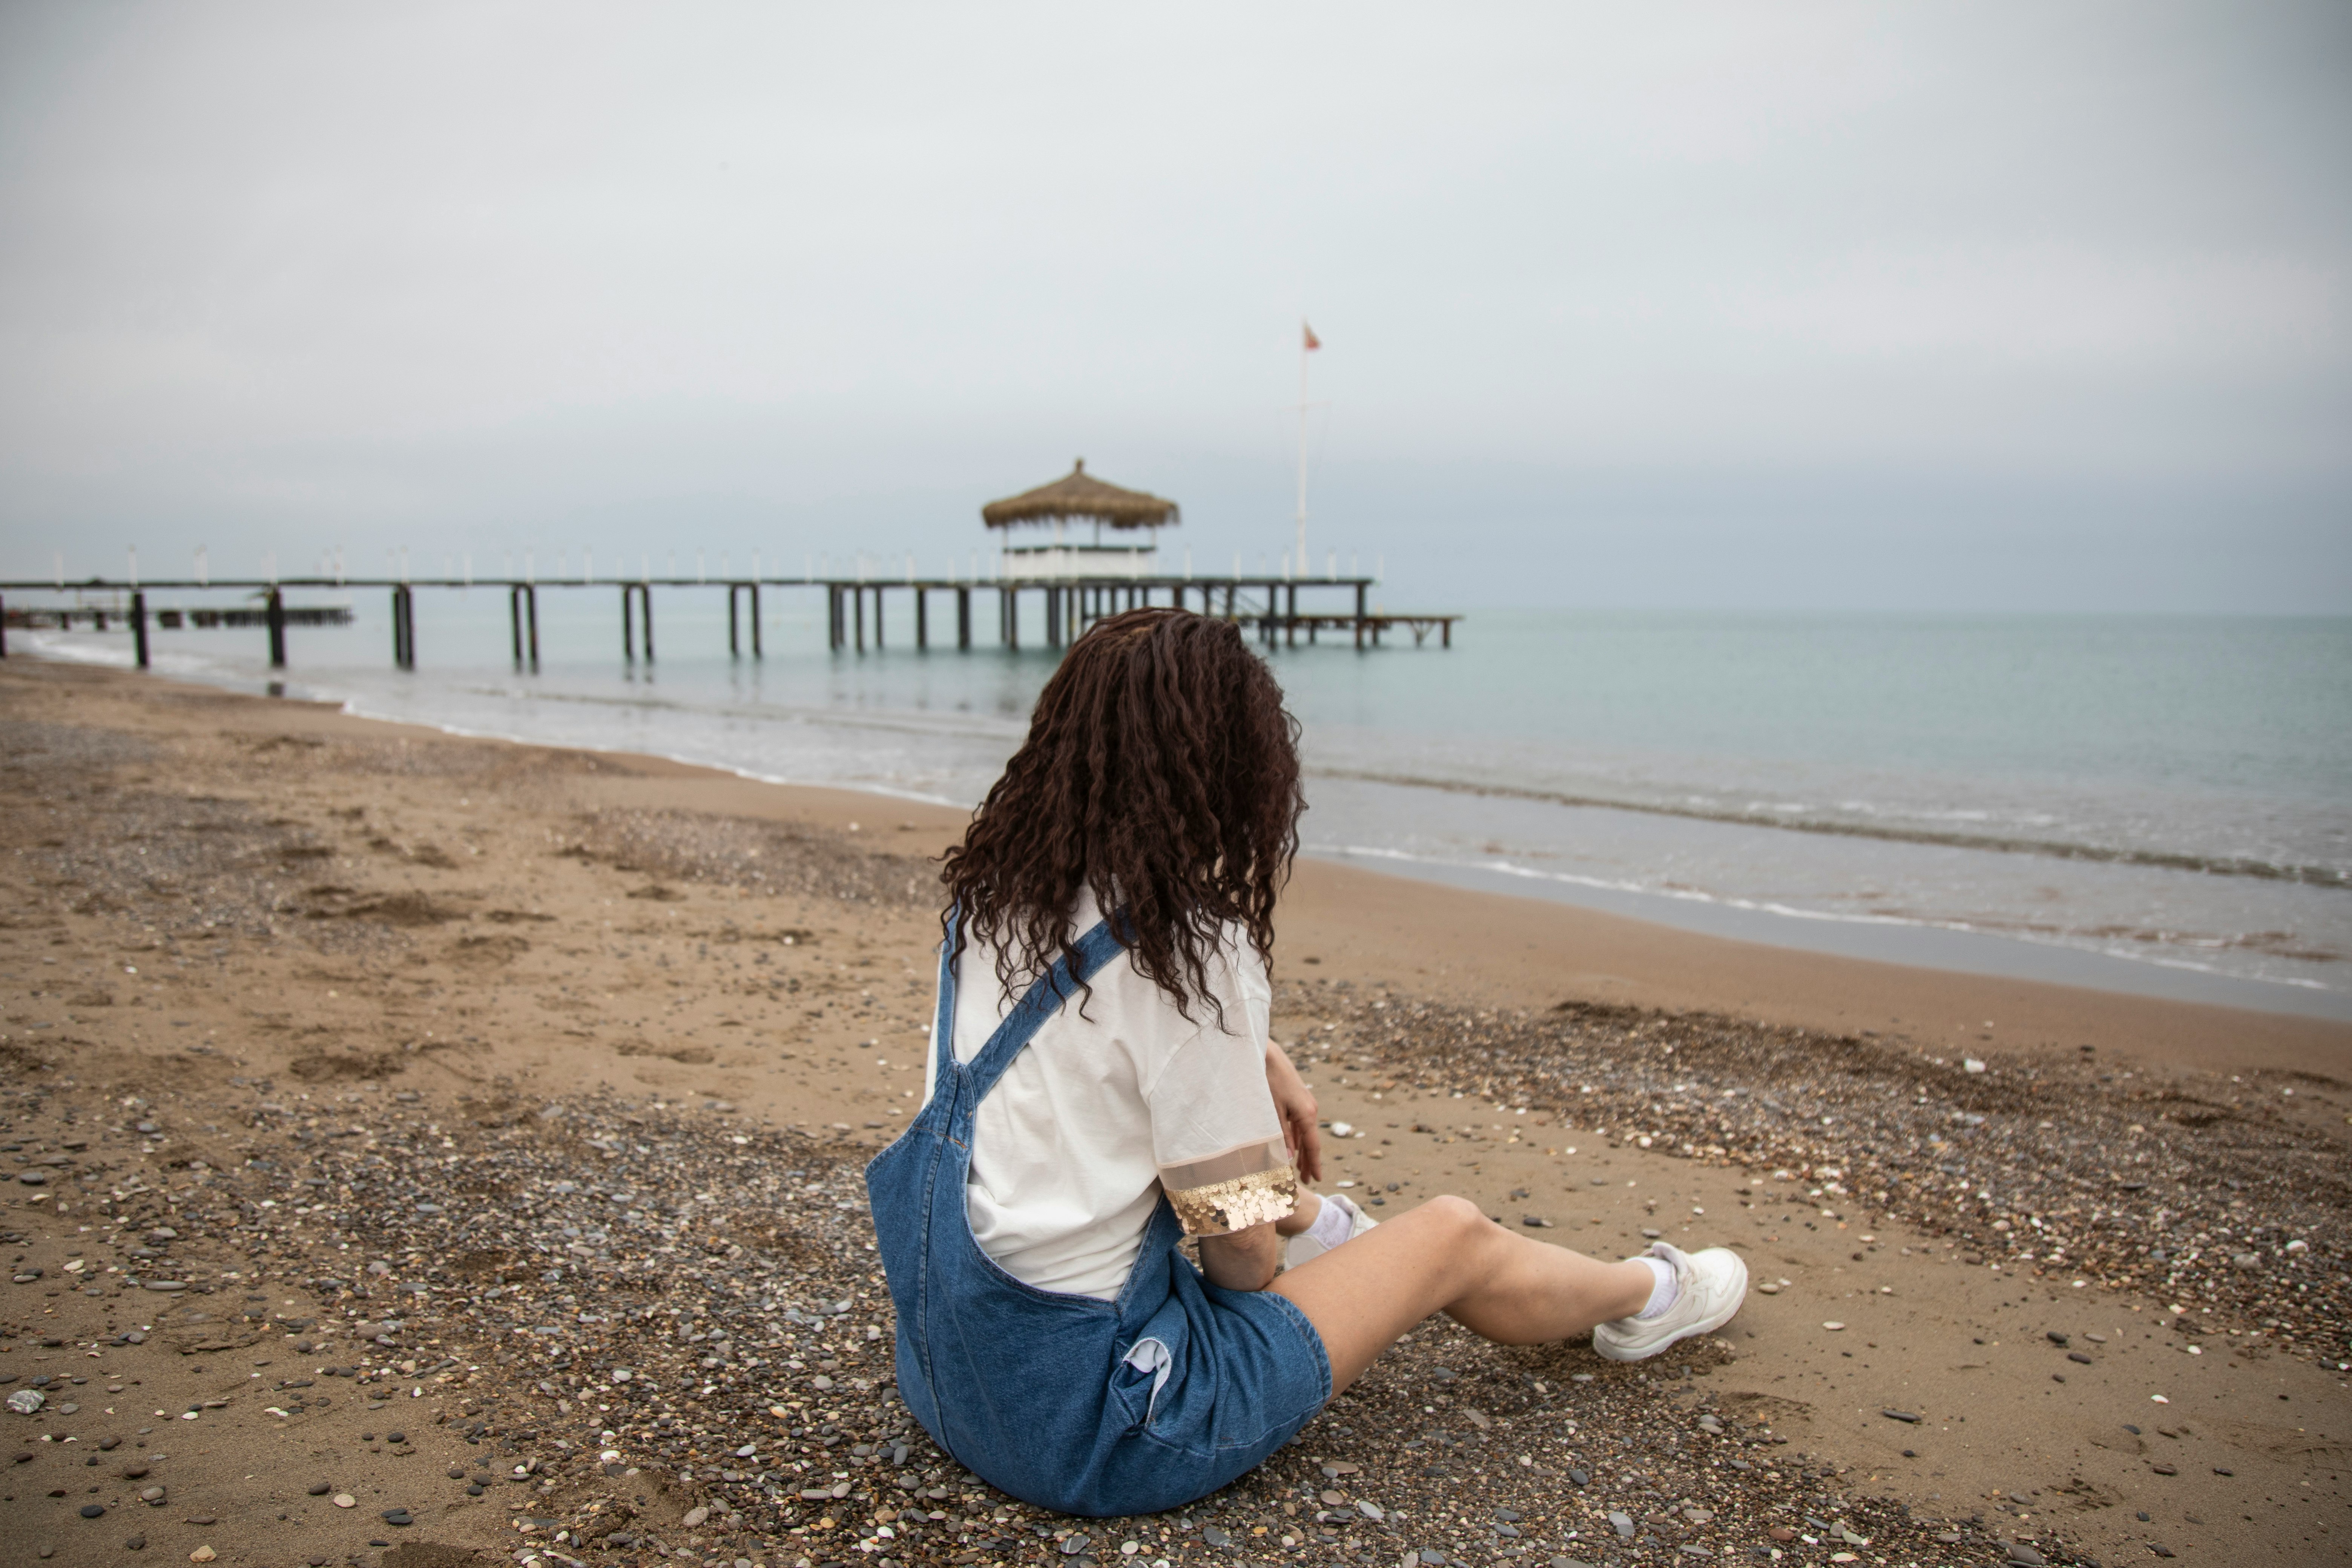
point(1078, 496)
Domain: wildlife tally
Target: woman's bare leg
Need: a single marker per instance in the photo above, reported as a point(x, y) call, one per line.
point(1446, 1257)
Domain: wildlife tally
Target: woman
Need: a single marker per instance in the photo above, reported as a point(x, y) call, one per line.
point(1103, 1083)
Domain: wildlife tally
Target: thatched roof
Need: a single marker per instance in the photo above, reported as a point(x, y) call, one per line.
point(1078, 495)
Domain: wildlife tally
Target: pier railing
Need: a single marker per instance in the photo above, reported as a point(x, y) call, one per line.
point(1269, 608)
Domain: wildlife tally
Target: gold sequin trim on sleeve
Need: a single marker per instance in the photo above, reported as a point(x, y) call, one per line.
point(1223, 1207)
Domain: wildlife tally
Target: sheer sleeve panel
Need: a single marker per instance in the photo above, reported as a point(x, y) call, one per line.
point(1216, 1136)
point(1258, 1184)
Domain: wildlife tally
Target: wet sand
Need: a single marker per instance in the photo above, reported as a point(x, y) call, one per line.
point(480, 1073)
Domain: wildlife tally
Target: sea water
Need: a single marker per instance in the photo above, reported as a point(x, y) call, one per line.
point(2160, 805)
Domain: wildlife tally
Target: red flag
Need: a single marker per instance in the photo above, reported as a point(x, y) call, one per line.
point(1313, 342)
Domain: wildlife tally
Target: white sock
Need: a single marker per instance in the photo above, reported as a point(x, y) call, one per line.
point(1332, 1224)
point(1664, 1292)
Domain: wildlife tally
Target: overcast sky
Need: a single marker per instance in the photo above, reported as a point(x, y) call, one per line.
point(1968, 306)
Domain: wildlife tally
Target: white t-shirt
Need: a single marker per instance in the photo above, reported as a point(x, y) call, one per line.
point(1072, 1147)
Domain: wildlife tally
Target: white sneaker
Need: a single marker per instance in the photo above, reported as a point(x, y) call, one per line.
point(1711, 1286)
point(1303, 1247)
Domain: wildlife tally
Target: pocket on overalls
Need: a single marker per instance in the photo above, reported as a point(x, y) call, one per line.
point(1139, 1379)
point(1148, 1378)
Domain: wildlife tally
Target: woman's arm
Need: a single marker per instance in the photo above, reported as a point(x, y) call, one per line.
point(1294, 1102)
point(1242, 1259)
point(1247, 1259)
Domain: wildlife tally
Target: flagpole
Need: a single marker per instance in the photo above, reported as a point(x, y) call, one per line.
point(1303, 350)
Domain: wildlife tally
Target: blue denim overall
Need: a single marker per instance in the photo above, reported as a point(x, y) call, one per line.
point(1058, 1399)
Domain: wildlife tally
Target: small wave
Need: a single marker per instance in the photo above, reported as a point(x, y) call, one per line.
point(860, 786)
point(2139, 951)
point(1757, 817)
point(896, 721)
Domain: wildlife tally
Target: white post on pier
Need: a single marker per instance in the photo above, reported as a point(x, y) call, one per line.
point(1307, 343)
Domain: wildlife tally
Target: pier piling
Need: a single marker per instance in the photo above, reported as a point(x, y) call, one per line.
point(277, 613)
point(404, 628)
point(522, 621)
point(139, 627)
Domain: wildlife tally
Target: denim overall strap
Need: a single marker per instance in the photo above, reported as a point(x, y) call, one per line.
point(943, 1025)
point(1082, 963)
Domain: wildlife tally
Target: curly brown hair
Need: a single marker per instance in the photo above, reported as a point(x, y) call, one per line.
point(1160, 772)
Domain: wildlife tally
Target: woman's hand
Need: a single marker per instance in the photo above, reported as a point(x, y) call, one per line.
point(1294, 1102)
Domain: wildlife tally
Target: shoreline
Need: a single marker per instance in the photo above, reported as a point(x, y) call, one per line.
point(2121, 968)
point(1616, 955)
point(1907, 942)
point(490, 1067)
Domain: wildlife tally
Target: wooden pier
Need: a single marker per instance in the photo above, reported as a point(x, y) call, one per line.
point(1268, 608)
point(1273, 610)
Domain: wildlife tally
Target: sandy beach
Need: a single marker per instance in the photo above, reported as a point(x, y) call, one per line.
point(425, 1151)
